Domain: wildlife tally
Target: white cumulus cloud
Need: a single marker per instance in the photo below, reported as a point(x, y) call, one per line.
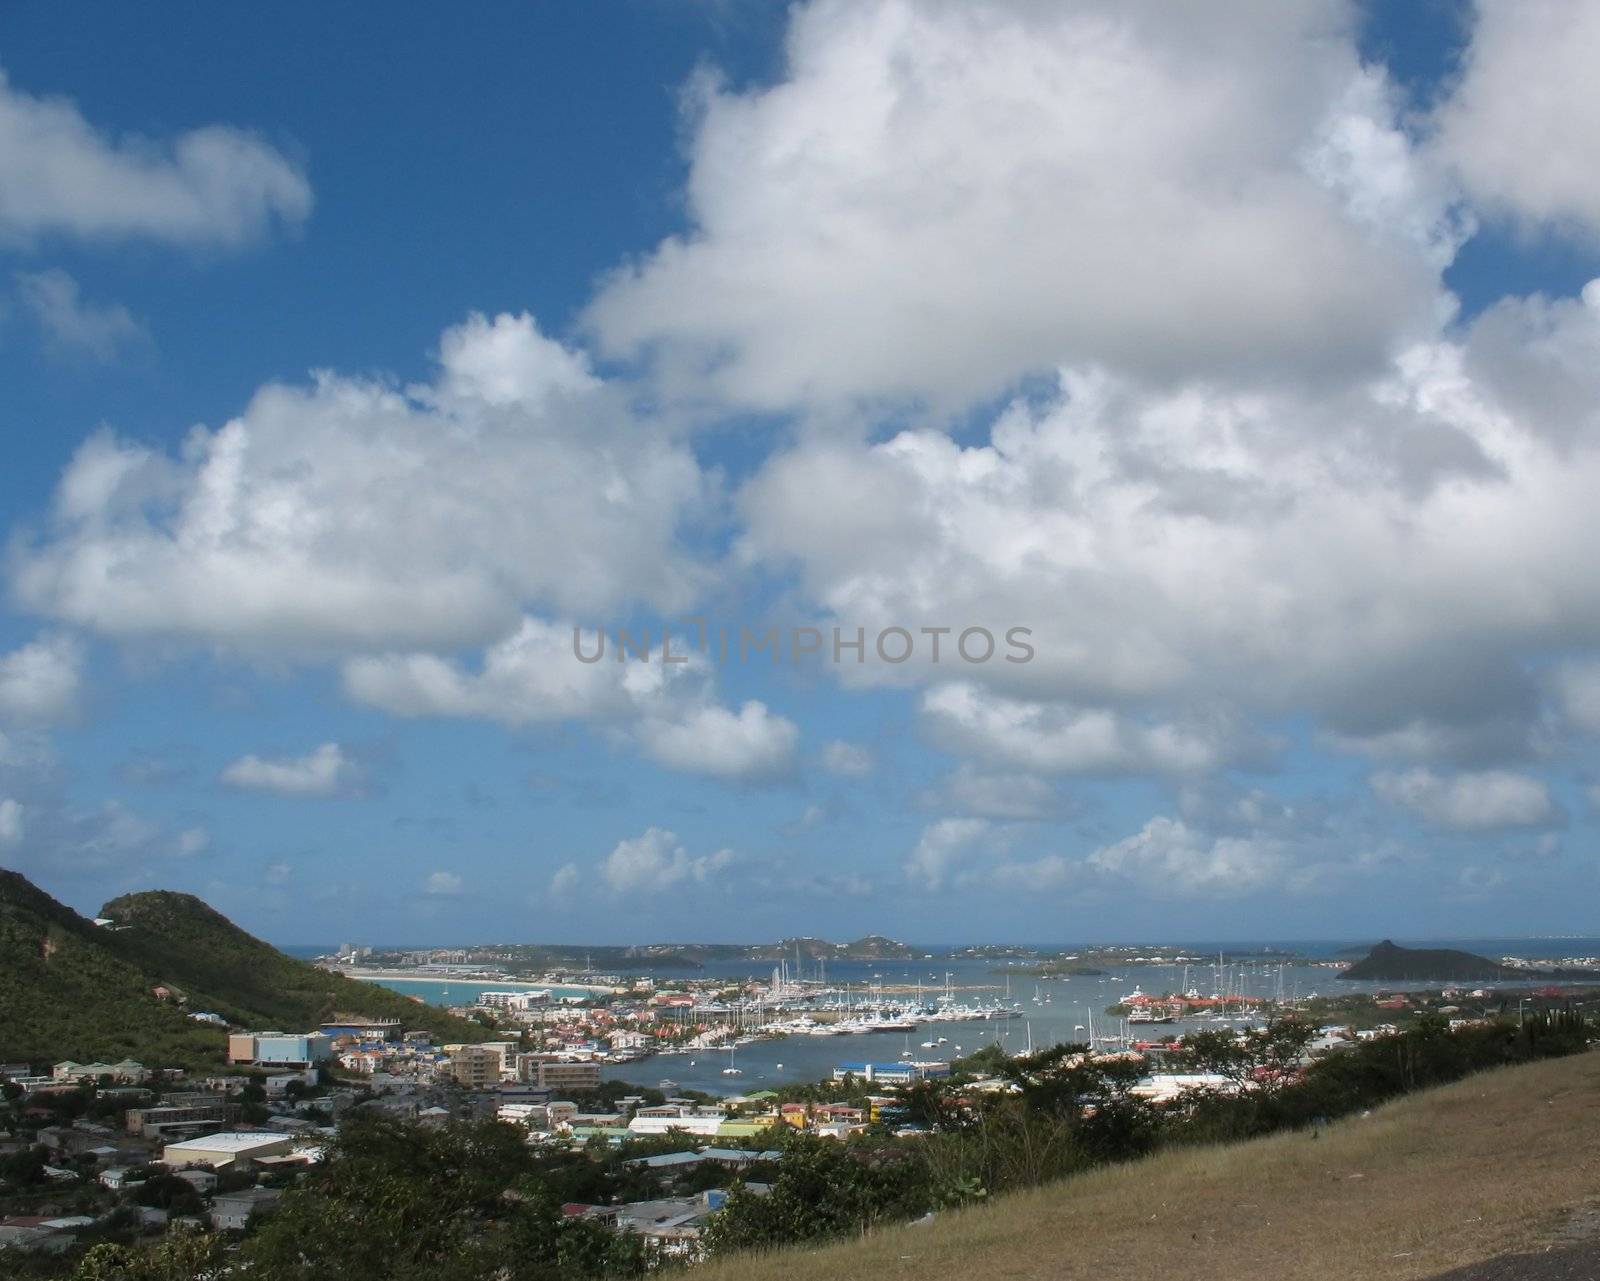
point(753, 743)
point(669, 711)
point(1170, 857)
point(324, 771)
point(211, 186)
point(941, 849)
point(72, 324)
point(656, 860)
point(442, 885)
point(564, 880)
point(349, 516)
point(1469, 802)
point(40, 682)
point(847, 760)
point(1520, 125)
point(10, 821)
point(939, 197)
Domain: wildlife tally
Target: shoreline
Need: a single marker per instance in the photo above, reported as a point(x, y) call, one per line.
point(405, 976)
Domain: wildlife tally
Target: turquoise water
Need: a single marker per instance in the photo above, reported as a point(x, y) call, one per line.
point(463, 992)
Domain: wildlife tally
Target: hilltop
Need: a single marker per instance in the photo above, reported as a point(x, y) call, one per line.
point(1389, 962)
point(1499, 1162)
point(65, 993)
point(72, 989)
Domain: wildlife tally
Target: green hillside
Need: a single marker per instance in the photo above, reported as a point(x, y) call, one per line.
point(180, 941)
point(71, 989)
point(64, 994)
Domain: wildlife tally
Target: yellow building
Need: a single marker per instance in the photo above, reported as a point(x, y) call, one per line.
point(225, 1148)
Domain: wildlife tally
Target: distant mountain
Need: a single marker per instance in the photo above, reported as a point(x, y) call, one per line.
point(70, 989)
point(537, 957)
point(877, 948)
point(1389, 962)
point(874, 947)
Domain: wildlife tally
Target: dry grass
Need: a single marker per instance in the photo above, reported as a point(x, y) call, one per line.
point(1503, 1161)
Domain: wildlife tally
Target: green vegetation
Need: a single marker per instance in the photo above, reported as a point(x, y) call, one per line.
point(70, 989)
point(397, 1201)
point(472, 1201)
point(66, 994)
point(180, 941)
point(1446, 1177)
point(1064, 1114)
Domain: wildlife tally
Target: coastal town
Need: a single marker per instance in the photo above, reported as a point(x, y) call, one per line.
point(119, 1150)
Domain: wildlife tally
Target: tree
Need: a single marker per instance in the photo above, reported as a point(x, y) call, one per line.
point(393, 1200)
point(822, 1189)
point(182, 1255)
point(1267, 1058)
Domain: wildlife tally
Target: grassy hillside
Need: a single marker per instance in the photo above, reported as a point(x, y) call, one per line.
point(179, 940)
point(65, 995)
point(1507, 1160)
point(71, 989)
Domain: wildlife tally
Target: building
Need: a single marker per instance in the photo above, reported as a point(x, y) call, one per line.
point(280, 1049)
point(156, 1123)
point(508, 1055)
point(536, 1116)
point(72, 1073)
point(513, 1000)
point(363, 1029)
point(569, 1078)
point(232, 1211)
point(891, 1073)
point(686, 1117)
point(674, 1223)
point(225, 1148)
point(477, 1067)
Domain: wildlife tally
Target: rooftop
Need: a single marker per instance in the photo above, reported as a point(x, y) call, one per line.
point(230, 1141)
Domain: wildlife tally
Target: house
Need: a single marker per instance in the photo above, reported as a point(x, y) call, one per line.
point(232, 1211)
point(738, 1158)
point(72, 1073)
point(202, 1181)
point(41, 1234)
point(688, 1118)
point(666, 1161)
point(674, 1222)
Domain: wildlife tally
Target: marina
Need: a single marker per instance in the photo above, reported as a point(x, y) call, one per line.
point(932, 1011)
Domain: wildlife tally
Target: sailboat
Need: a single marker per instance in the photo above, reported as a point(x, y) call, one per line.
point(730, 1070)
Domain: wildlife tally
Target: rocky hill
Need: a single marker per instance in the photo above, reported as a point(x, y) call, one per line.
point(1389, 962)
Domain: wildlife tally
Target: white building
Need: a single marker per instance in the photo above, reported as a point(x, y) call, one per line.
point(513, 1000)
point(225, 1148)
point(232, 1211)
point(686, 1117)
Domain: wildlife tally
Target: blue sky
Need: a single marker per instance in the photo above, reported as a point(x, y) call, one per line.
point(346, 367)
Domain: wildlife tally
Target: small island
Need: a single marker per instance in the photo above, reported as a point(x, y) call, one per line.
point(1389, 962)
